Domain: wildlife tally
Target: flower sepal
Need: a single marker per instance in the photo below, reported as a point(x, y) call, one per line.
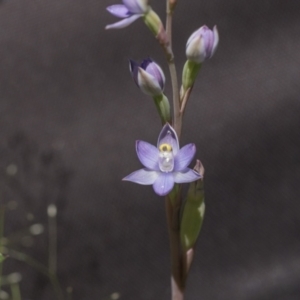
point(193, 211)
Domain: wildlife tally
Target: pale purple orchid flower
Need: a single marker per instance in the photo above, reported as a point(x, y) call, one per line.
point(165, 164)
point(148, 76)
point(129, 11)
point(202, 44)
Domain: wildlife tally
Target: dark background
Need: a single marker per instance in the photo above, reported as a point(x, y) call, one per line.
point(69, 118)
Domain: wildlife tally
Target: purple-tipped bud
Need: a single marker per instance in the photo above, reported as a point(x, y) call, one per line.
point(148, 76)
point(202, 44)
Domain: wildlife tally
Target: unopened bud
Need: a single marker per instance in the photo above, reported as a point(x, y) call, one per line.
point(148, 76)
point(153, 22)
point(202, 44)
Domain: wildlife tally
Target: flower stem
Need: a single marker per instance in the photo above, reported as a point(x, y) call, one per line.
point(15, 291)
point(173, 200)
point(2, 212)
point(52, 227)
point(177, 122)
point(41, 268)
point(172, 210)
point(176, 106)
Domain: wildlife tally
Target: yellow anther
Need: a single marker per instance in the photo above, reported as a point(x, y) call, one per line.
point(165, 148)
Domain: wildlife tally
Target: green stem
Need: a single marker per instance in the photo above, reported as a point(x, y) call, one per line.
point(41, 268)
point(177, 122)
point(15, 291)
point(56, 286)
point(173, 200)
point(69, 293)
point(173, 203)
point(52, 263)
point(2, 212)
point(52, 225)
point(28, 260)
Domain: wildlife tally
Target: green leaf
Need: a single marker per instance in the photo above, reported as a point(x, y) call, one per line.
point(193, 212)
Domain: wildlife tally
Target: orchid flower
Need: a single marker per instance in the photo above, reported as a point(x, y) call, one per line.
point(129, 11)
point(165, 164)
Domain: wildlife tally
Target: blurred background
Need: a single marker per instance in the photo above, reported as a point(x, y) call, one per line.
point(69, 117)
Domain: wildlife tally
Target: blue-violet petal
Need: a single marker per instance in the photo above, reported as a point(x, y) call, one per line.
point(124, 23)
point(119, 10)
point(157, 73)
point(142, 176)
point(163, 184)
point(148, 155)
point(187, 175)
point(184, 157)
point(148, 83)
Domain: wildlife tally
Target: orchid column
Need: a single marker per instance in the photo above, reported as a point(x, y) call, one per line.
point(166, 165)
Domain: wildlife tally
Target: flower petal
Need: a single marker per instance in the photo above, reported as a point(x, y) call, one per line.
point(184, 157)
point(216, 40)
point(156, 71)
point(142, 176)
point(148, 83)
point(136, 6)
point(195, 50)
point(163, 184)
point(124, 23)
point(188, 175)
point(148, 155)
point(145, 63)
point(119, 10)
point(168, 136)
point(193, 36)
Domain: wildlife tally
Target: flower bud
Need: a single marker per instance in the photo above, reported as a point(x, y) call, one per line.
point(202, 44)
point(153, 22)
point(148, 76)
